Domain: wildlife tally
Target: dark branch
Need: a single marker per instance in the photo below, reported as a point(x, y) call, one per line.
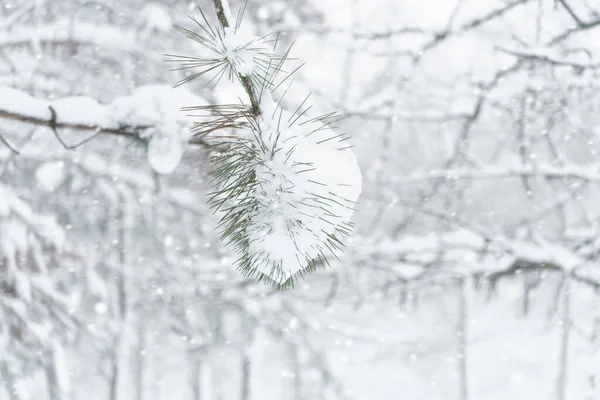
point(131, 132)
point(10, 146)
point(571, 12)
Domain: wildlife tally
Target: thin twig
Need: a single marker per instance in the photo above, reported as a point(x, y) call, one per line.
point(7, 144)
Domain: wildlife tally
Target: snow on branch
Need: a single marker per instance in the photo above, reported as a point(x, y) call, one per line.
point(548, 56)
point(151, 113)
point(587, 173)
point(465, 252)
point(69, 32)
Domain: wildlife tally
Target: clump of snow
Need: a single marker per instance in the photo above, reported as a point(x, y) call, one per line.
point(159, 108)
point(164, 153)
point(81, 110)
point(17, 102)
point(308, 185)
point(157, 17)
point(242, 50)
point(50, 175)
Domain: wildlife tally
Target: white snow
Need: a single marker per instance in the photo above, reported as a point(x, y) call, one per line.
point(164, 153)
point(159, 107)
point(157, 17)
point(227, 11)
point(242, 50)
point(81, 110)
point(4, 205)
point(309, 183)
point(23, 286)
point(50, 175)
point(15, 101)
point(59, 361)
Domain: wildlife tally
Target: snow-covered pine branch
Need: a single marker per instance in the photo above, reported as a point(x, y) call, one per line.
point(288, 184)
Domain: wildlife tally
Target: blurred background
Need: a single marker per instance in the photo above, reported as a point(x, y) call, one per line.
point(472, 273)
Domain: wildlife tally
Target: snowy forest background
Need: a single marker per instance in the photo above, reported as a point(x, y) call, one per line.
point(472, 274)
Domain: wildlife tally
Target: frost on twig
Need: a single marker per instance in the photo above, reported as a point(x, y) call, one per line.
point(288, 184)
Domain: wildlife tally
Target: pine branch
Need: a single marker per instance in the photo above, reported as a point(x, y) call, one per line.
point(246, 83)
point(281, 212)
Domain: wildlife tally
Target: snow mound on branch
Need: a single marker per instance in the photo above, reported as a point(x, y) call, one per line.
point(308, 184)
point(159, 108)
point(242, 50)
point(17, 102)
point(80, 110)
point(155, 108)
point(164, 153)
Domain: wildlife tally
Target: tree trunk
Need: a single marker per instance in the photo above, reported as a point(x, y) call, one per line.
point(245, 386)
point(56, 378)
point(564, 342)
point(296, 370)
point(114, 376)
point(140, 360)
point(461, 334)
point(122, 303)
point(9, 383)
point(195, 378)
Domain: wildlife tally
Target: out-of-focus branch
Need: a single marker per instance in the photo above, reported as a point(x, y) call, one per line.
point(590, 173)
point(548, 59)
point(66, 32)
point(131, 131)
point(571, 12)
point(123, 117)
point(473, 24)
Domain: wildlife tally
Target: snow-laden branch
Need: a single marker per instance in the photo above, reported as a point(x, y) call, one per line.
point(588, 173)
point(150, 110)
point(547, 56)
point(73, 33)
point(465, 252)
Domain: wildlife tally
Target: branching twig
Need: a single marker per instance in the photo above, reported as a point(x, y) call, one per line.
point(7, 144)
